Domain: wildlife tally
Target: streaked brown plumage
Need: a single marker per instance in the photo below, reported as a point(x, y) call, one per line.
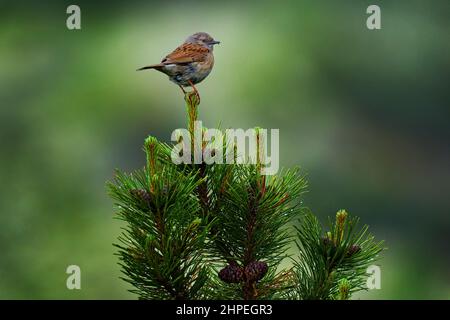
point(190, 63)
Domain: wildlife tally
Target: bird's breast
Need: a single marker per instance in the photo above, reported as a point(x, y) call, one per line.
point(203, 68)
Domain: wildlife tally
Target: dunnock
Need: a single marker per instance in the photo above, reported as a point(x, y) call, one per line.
point(190, 63)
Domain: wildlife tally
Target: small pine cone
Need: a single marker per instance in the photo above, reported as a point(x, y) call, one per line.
point(353, 250)
point(326, 241)
point(141, 194)
point(255, 270)
point(232, 273)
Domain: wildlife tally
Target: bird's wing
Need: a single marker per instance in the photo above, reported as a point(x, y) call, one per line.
point(186, 53)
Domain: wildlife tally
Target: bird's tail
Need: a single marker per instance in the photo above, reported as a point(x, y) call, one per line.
point(153, 66)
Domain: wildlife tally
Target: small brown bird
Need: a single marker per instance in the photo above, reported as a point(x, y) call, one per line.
point(190, 63)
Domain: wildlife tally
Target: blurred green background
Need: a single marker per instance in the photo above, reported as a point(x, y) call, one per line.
point(364, 113)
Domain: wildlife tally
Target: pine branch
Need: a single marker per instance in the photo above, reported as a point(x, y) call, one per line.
point(162, 249)
point(332, 266)
point(253, 222)
point(221, 231)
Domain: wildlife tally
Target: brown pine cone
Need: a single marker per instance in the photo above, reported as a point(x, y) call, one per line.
point(255, 270)
point(141, 194)
point(326, 241)
point(353, 250)
point(232, 273)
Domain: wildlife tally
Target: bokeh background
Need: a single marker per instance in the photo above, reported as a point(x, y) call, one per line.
point(364, 113)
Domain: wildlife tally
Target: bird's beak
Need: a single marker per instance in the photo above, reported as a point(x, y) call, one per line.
point(214, 42)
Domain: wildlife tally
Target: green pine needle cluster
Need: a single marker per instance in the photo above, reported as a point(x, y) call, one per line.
point(219, 231)
point(162, 248)
point(332, 264)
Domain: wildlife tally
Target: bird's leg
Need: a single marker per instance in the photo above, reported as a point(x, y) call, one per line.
point(187, 95)
point(195, 90)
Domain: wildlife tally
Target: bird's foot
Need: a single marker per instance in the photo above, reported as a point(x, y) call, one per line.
point(195, 91)
point(192, 97)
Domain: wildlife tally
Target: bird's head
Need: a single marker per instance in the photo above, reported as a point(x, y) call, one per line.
point(203, 39)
